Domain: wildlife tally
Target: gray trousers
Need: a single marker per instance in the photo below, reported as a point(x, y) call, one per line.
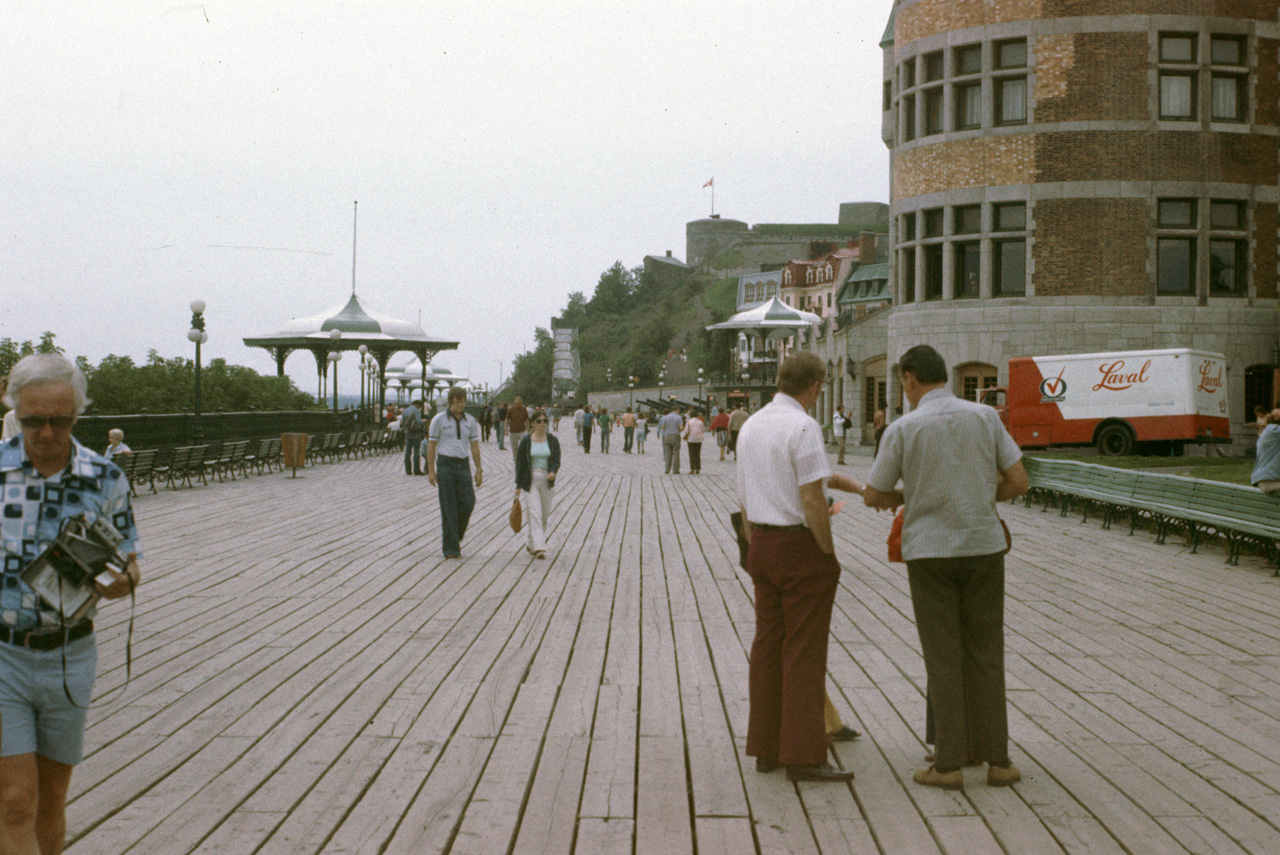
point(959, 608)
point(671, 453)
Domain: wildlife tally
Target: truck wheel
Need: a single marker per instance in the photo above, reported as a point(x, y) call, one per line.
point(1115, 441)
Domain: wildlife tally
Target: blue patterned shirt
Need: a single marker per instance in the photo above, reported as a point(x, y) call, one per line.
point(34, 510)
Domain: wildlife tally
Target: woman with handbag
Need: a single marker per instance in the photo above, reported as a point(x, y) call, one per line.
point(537, 462)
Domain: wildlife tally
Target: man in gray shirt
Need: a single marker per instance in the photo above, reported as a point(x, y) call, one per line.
point(955, 461)
point(669, 428)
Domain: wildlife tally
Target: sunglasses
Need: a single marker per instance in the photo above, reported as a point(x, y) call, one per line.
point(34, 423)
point(539, 421)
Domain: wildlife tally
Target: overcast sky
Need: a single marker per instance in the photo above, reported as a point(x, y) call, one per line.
point(503, 155)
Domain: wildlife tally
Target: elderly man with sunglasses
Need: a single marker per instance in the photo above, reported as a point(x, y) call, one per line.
point(47, 667)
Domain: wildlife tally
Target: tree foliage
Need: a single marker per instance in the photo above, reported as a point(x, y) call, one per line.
point(117, 385)
point(624, 330)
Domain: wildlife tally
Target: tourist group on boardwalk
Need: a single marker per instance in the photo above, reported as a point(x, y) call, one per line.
point(942, 468)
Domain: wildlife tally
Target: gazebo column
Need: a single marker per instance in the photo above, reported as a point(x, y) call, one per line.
point(322, 365)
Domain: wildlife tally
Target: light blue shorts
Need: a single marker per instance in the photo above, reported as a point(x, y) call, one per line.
point(35, 713)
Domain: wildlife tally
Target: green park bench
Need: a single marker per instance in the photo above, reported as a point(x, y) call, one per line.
point(186, 463)
point(139, 468)
point(1169, 502)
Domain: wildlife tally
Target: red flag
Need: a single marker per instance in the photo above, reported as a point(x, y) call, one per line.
point(708, 184)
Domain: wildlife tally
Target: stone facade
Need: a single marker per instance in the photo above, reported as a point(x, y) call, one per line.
point(1072, 176)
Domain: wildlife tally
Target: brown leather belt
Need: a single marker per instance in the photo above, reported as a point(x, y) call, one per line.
point(45, 640)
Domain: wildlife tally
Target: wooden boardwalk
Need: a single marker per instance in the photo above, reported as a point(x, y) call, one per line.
point(309, 675)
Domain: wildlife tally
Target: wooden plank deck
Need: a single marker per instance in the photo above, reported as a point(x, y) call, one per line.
point(309, 675)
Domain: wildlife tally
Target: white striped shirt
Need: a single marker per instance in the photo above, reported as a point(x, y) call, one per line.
point(949, 454)
point(780, 448)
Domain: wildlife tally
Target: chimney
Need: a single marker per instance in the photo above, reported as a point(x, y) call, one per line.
point(867, 248)
point(668, 253)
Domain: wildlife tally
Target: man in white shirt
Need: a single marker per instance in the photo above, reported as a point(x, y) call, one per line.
point(791, 560)
point(955, 461)
point(838, 428)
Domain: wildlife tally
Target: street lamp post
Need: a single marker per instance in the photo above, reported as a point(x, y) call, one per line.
point(197, 335)
point(334, 356)
point(701, 402)
point(364, 371)
point(631, 395)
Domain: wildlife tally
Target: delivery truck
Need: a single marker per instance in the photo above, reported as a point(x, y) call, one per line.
point(1115, 400)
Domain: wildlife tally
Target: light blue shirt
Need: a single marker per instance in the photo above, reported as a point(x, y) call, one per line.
point(1268, 466)
point(35, 508)
point(539, 454)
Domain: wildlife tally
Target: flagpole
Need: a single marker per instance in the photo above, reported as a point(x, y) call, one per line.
point(355, 220)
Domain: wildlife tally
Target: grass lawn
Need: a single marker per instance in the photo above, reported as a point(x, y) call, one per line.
point(1233, 470)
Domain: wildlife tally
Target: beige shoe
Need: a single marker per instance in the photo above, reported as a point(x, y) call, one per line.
point(999, 776)
point(931, 777)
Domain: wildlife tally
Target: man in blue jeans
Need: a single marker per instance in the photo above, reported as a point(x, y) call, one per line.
point(411, 424)
point(451, 435)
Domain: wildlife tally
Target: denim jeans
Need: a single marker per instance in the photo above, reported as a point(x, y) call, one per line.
point(457, 500)
point(628, 436)
point(412, 455)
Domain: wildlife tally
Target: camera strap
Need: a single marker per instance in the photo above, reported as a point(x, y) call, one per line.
point(128, 646)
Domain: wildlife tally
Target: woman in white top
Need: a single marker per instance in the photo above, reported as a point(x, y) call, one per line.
point(537, 462)
point(642, 430)
point(694, 432)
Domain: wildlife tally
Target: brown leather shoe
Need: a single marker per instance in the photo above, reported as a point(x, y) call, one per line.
point(844, 734)
point(1003, 776)
point(821, 772)
point(931, 777)
point(765, 765)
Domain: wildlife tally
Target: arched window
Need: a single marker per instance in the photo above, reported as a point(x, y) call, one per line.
point(972, 378)
point(786, 277)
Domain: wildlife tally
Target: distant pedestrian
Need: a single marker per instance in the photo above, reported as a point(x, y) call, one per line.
point(670, 427)
point(642, 431)
point(694, 433)
point(500, 424)
point(11, 426)
point(588, 422)
point(554, 415)
point(577, 423)
point(628, 430)
point(878, 423)
point(414, 428)
point(115, 445)
point(453, 434)
point(720, 427)
point(606, 428)
point(840, 425)
point(1266, 471)
point(486, 423)
point(737, 419)
point(517, 422)
point(537, 462)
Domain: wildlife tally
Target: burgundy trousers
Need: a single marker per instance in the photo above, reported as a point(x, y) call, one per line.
point(795, 587)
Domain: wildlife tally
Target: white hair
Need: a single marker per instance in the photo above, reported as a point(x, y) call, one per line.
point(43, 369)
point(115, 432)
